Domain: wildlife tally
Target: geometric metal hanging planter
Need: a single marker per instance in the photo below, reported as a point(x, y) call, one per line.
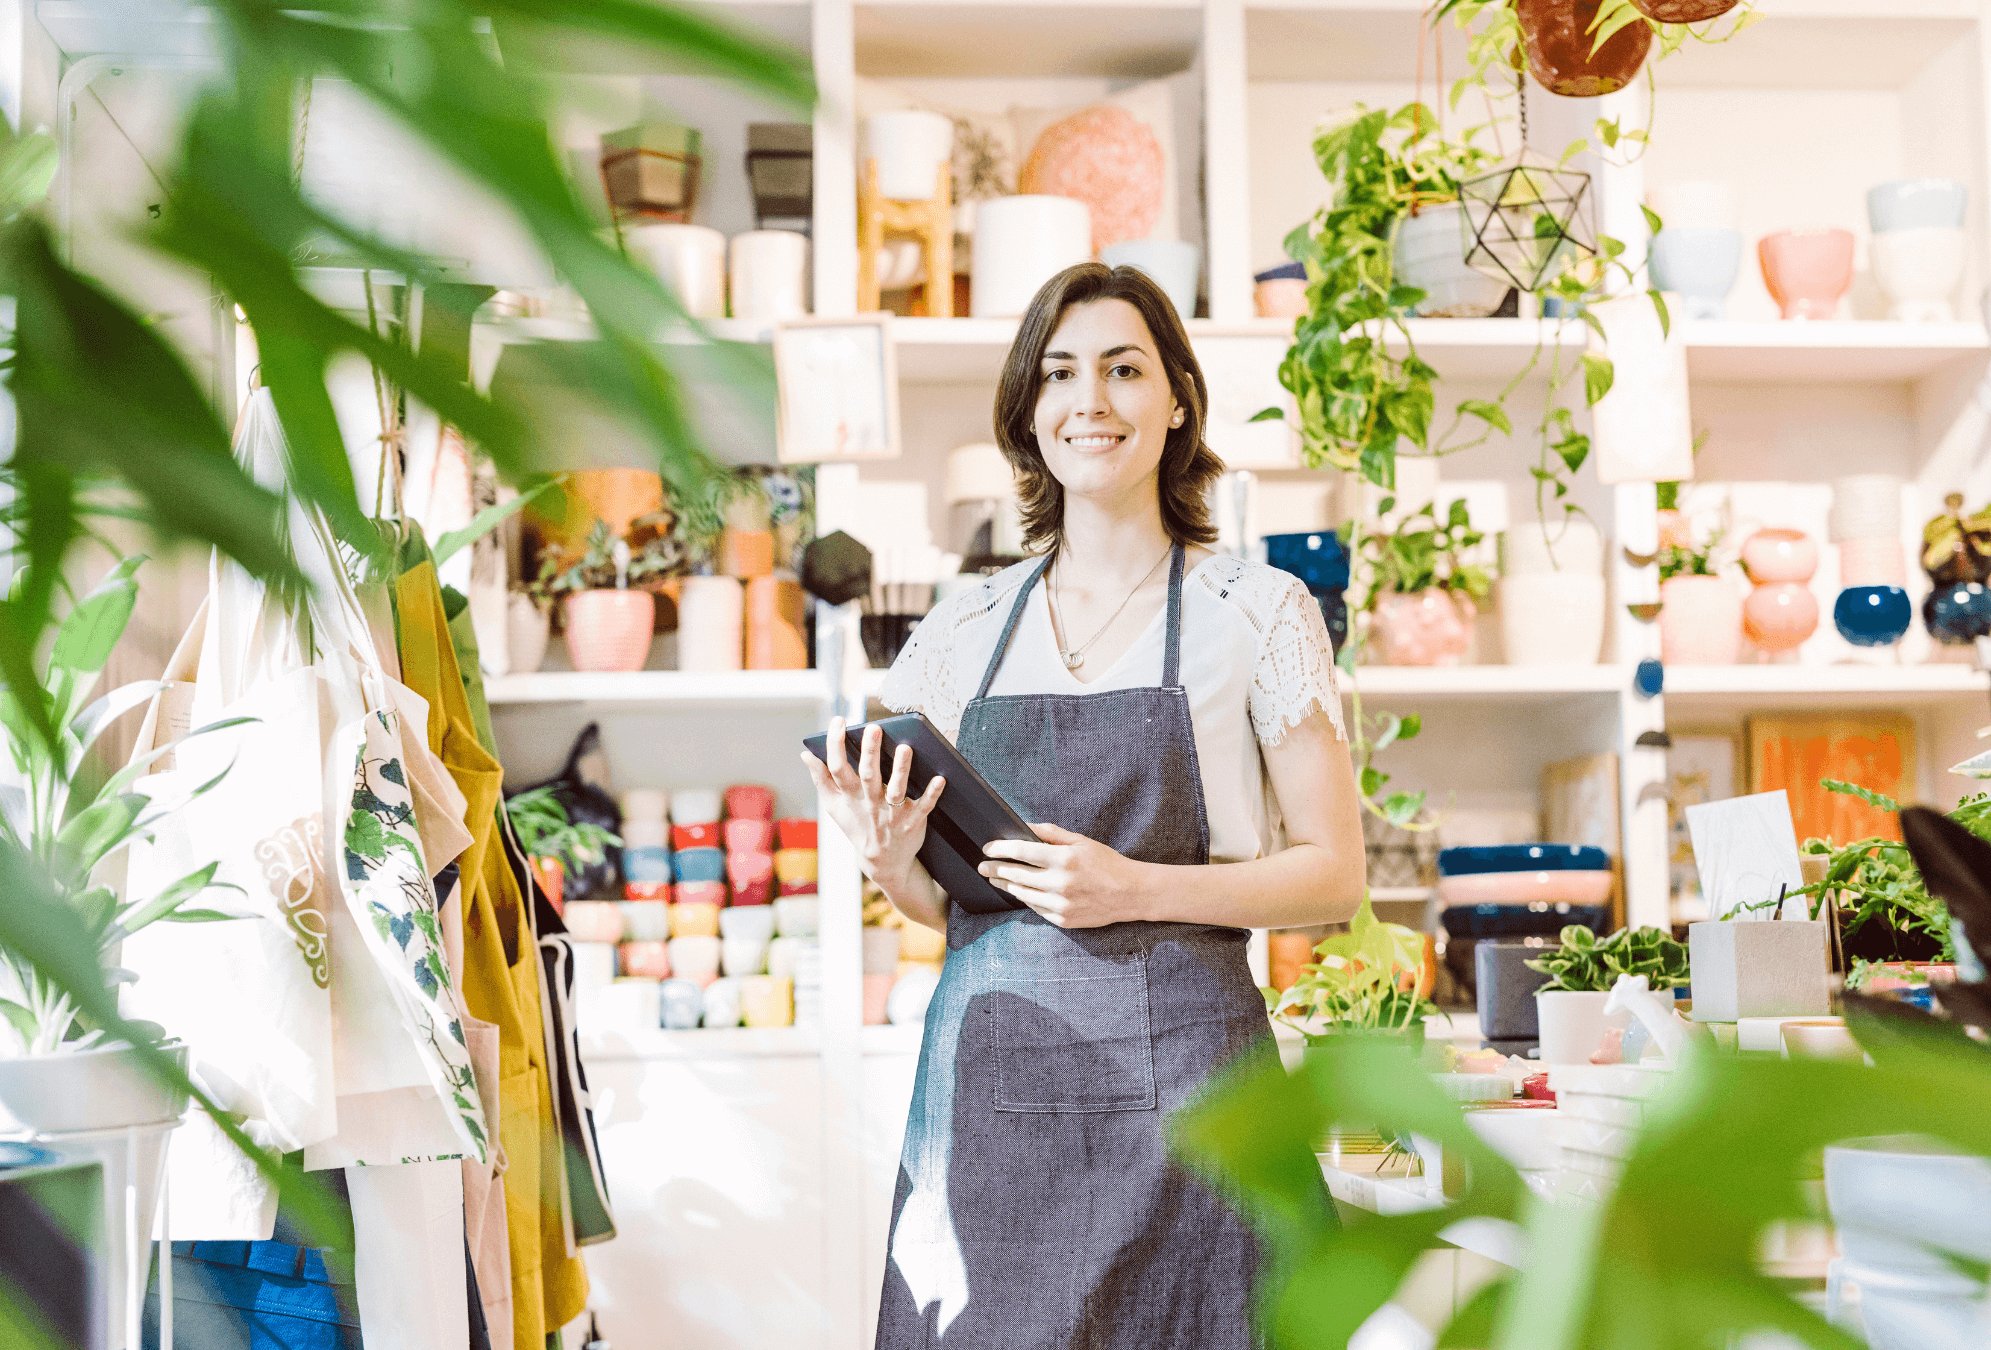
point(1527, 221)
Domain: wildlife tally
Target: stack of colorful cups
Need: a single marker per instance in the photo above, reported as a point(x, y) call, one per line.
point(1918, 248)
point(646, 884)
point(698, 861)
point(750, 843)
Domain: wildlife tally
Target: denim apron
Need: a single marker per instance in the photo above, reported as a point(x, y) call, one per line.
point(1037, 1205)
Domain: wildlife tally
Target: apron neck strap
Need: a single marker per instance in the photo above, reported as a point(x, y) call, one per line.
point(1171, 661)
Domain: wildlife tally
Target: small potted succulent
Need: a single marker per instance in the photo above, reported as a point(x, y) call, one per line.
point(556, 844)
point(1700, 615)
point(1570, 1006)
point(1423, 595)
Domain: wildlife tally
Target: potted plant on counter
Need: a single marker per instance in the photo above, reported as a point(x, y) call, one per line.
point(1372, 980)
point(1423, 592)
point(1570, 1007)
point(1884, 920)
point(607, 595)
point(65, 1074)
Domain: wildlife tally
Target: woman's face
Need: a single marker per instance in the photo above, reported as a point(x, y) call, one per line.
point(1105, 408)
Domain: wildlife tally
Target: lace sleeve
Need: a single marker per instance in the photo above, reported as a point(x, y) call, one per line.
point(1295, 674)
point(922, 679)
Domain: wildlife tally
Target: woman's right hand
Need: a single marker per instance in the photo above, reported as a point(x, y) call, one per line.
point(881, 822)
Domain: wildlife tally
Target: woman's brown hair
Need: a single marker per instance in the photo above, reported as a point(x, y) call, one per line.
point(1188, 466)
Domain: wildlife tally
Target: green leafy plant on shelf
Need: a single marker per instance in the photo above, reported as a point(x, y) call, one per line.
point(1362, 982)
point(1422, 553)
point(73, 833)
point(544, 831)
point(1586, 963)
point(1875, 882)
point(657, 553)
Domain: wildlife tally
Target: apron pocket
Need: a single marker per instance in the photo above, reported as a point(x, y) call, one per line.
point(1077, 1043)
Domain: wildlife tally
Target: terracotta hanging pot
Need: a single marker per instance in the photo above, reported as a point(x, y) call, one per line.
point(1556, 38)
point(1683, 11)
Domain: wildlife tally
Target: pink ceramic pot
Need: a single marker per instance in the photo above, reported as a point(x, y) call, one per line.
point(609, 630)
point(1780, 615)
point(1700, 622)
point(1780, 555)
point(1429, 628)
point(1808, 270)
point(1280, 298)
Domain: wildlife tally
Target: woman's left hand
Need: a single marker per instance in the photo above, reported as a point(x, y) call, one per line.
point(1073, 881)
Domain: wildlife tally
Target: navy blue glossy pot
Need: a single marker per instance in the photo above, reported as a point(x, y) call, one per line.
point(1958, 613)
point(1872, 616)
point(1460, 862)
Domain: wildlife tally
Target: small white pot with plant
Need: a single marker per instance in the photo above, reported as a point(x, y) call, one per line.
point(58, 1073)
point(1570, 1007)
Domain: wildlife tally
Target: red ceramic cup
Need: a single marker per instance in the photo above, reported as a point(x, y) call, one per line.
point(796, 833)
point(750, 801)
point(695, 836)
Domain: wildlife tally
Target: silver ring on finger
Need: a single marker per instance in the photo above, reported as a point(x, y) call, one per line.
point(894, 801)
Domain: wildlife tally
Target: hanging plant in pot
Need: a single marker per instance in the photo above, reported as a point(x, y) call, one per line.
point(1570, 1006)
point(1423, 594)
point(64, 1075)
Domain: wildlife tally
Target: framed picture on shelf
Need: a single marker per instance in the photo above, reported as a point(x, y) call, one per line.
point(838, 389)
point(1702, 767)
point(1795, 751)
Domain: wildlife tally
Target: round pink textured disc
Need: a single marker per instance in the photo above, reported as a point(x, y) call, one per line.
point(1110, 160)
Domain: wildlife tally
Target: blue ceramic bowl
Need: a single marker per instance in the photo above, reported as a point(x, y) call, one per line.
point(1916, 204)
point(1700, 264)
point(699, 864)
point(1465, 862)
point(1958, 613)
point(1872, 616)
point(1318, 558)
point(1490, 921)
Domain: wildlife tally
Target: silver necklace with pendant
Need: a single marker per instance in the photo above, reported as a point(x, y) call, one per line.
point(1075, 657)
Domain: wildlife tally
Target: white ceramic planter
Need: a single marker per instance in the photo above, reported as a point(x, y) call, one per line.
point(909, 147)
point(767, 275)
point(1572, 1023)
point(1431, 255)
point(1919, 271)
point(1570, 545)
point(1020, 243)
point(103, 1089)
point(1898, 1206)
point(528, 629)
point(690, 259)
point(1700, 621)
point(1552, 618)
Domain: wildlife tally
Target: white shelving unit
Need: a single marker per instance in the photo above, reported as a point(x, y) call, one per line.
point(753, 1170)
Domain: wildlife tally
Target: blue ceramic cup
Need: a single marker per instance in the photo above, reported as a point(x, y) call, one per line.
point(1317, 558)
point(1872, 616)
point(1700, 265)
point(1916, 204)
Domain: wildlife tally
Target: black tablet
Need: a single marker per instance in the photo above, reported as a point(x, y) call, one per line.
point(969, 814)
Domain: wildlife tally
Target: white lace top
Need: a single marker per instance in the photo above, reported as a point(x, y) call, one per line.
point(1256, 660)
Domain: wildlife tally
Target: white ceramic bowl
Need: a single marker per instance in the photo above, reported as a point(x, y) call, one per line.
point(645, 834)
point(695, 958)
point(645, 804)
point(1525, 888)
point(795, 916)
point(743, 956)
point(1919, 271)
point(747, 921)
point(644, 920)
point(594, 920)
point(695, 806)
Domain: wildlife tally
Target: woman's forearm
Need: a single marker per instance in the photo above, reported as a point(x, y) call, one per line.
point(1303, 885)
point(915, 895)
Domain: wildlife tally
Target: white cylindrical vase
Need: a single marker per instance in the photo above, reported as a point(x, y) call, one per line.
point(710, 614)
point(690, 259)
point(1572, 1023)
point(909, 147)
point(769, 275)
point(1552, 618)
point(1021, 243)
point(1172, 263)
point(1569, 545)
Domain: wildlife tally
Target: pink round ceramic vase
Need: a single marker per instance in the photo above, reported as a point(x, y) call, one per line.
point(1779, 555)
point(1110, 160)
point(1427, 628)
point(1700, 622)
point(1808, 269)
point(1780, 615)
point(609, 630)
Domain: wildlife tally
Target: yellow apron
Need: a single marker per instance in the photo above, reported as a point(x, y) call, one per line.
point(501, 975)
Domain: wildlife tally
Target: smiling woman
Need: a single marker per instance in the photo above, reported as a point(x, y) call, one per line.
point(1168, 720)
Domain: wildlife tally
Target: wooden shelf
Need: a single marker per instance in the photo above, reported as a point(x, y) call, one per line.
point(713, 1043)
point(1021, 39)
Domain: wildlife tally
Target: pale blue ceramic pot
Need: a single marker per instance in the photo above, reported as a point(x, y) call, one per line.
point(1700, 265)
point(1916, 204)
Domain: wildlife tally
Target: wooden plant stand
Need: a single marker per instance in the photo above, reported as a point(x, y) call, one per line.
point(932, 221)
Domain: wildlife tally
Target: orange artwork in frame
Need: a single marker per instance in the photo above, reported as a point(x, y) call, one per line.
point(1796, 752)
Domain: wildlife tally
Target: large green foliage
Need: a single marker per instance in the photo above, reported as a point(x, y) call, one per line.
point(1667, 1262)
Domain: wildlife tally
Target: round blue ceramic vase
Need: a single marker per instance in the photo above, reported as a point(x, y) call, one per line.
point(1872, 616)
point(1958, 613)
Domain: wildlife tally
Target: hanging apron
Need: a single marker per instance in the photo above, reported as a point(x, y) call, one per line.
point(1037, 1205)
